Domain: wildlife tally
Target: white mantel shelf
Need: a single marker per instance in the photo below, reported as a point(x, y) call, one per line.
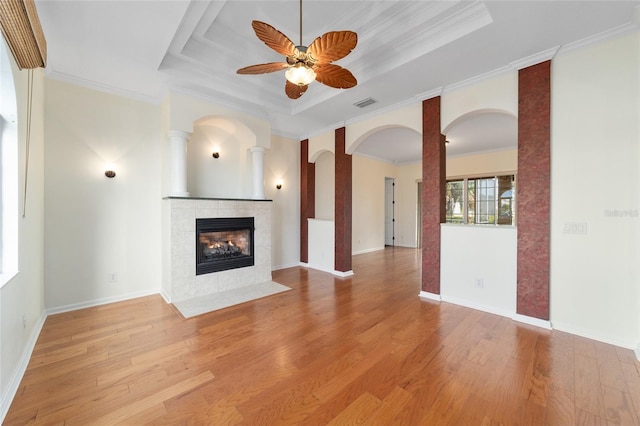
point(213, 199)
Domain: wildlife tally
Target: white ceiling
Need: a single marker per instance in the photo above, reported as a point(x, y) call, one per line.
point(406, 48)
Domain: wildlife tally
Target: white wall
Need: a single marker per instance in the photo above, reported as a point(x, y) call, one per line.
point(22, 298)
point(325, 186)
point(488, 253)
point(368, 203)
point(595, 151)
point(282, 164)
point(322, 244)
point(95, 226)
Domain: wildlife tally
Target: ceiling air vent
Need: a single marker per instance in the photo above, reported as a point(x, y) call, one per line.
point(365, 102)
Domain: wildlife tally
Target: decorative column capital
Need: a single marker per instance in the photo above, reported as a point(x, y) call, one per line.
point(258, 149)
point(178, 134)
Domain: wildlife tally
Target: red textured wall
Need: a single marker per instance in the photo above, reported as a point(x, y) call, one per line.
point(533, 190)
point(433, 185)
point(307, 198)
point(342, 204)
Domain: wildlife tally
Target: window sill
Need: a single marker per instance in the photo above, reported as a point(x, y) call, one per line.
point(5, 277)
point(479, 225)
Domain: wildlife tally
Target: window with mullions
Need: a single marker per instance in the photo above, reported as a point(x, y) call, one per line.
point(485, 200)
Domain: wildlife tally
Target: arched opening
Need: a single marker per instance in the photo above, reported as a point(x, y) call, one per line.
point(219, 158)
point(482, 131)
point(385, 208)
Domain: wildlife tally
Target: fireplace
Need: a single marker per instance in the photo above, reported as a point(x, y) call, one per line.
point(224, 243)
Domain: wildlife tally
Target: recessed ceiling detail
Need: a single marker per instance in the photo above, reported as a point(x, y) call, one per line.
point(405, 48)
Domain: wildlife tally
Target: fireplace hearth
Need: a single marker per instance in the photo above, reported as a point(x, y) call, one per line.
point(224, 243)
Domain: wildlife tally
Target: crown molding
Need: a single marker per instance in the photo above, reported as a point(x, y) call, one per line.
point(105, 88)
point(603, 36)
point(536, 58)
point(499, 72)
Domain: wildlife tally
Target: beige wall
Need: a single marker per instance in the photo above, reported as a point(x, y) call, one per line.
point(95, 226)
point(483, 164)
point(368, 203)
point(407, 201)
point(325, 186)
point(282, 164)
point(229, 175)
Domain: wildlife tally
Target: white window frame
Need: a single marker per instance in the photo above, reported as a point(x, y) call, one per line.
point(465, 191)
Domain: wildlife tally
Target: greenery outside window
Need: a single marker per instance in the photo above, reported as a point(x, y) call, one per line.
point(481, 200)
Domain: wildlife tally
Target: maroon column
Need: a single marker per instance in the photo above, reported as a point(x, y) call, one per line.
point(433, 192)
point(533, 191)
point(342, 204)
point(307, 198)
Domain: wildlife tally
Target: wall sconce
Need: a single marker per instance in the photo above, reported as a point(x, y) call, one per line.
point(110, 170)
point(215, 154)
point(279, 184)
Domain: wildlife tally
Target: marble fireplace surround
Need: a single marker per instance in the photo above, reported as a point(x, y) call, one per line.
point(179, 214)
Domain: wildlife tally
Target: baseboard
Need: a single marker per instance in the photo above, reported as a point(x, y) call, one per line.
point(430, 296)
point(616, 341)
point(330, 271)
point(370, 250)
point(98, 302)
point(291, 265)
point(477, 306)
point(303, 264)
point(165, 296)
point(21, 368)
point(532, 321)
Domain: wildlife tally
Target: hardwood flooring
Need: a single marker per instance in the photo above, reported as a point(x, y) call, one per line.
point(333, 351)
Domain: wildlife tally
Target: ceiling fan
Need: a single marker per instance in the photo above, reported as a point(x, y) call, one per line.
point(306, 64)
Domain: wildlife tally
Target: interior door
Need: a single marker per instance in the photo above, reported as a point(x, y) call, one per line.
point(389, 211)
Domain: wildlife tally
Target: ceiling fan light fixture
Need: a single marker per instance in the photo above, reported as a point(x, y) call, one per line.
point(300, 74)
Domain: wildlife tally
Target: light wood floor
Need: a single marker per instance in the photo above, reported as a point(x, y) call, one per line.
point(364, 350)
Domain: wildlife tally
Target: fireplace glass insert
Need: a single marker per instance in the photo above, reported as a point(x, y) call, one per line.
point(223, 243)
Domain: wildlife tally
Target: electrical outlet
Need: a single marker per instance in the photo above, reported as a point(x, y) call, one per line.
point(24, 321)
point(479, 283)
point(112, 277)
point(575, 228)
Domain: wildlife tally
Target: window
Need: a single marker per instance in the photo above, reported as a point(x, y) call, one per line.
point(482, 200)
point(8, 170)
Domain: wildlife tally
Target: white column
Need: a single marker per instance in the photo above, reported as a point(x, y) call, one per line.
point(178, 161)
point(258, 172)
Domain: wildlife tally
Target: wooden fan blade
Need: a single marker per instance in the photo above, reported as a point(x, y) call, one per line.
point(263, 68)
point(332, 46)
point(335, 76)
point(293, 90)
point(274, 38)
